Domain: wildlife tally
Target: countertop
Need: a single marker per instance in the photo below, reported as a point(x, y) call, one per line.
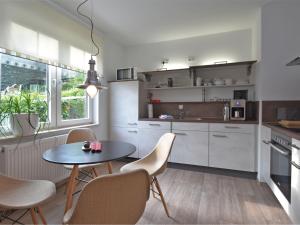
point(288, 132)
point(202, 120)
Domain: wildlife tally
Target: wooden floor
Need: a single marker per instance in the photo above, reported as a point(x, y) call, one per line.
point(195, 197)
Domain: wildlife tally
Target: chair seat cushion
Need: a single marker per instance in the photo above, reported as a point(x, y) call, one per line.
point(23, 194)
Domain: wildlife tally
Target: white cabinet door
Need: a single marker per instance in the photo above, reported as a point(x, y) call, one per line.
point(265, 153)
point(128, 135)
point(295, 192)
point(232, 151)
point(124, 103)
point(190, 147)
point(148, 138)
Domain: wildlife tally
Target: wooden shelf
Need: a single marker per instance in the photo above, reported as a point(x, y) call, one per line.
point(199, 87)
point(165, 71)
point(249, 63)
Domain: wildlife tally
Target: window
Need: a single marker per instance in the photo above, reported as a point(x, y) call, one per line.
point(66, 104)
point(74, 104)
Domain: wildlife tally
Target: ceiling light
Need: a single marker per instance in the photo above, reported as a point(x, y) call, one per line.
point(92, 83)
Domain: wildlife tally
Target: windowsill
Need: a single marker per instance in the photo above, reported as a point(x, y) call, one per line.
point(5, 140)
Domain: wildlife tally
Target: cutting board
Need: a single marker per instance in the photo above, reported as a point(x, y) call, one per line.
point(290, 123)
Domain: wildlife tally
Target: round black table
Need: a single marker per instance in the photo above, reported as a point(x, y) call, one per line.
point(72, 154)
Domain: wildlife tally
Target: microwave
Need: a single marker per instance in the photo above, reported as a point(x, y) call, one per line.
point(127, 74)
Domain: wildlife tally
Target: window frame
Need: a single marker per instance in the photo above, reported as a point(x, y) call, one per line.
point(57, 82)
point(54, 99)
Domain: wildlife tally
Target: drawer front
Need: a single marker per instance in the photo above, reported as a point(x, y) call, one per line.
point(155, 125)
point(190, 126)
point(190, 147)
point(232, 151)
point(232, 128)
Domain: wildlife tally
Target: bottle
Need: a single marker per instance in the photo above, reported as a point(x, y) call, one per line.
point(150, 110)
point(226, 112)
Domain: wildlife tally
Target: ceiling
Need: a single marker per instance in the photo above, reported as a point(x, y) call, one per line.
point(133, 22)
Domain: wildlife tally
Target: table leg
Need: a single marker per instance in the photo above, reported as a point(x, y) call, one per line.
point(109, 167)
point(71, 187)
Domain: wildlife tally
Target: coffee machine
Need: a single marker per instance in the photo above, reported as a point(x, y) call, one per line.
point(238, 109)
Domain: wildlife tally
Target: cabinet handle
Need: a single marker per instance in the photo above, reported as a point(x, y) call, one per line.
point(132, 131)
point(231, 127)
point(180, 133)
point(295, 165)
point(132, 124)
point(296, 147)
point(220, 136)
point(154, 124)
point(266, 142)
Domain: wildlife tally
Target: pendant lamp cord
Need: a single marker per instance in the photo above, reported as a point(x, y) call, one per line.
point(92, 25)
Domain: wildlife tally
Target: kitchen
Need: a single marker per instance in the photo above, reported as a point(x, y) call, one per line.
point(222, 76)
point(224, 113)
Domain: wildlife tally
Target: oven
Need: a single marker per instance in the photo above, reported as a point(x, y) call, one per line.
point(281, 155)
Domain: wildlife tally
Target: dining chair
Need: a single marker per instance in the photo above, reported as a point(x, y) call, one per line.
point(25, 194)
point(111, 199)
point(85, 134)
point(155, 163)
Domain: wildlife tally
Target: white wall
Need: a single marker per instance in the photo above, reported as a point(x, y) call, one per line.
point(231, 46)
point(280, 32)
point(113, 58)
point(38, 17)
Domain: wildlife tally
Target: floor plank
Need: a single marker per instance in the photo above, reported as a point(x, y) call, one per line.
point(194, 197)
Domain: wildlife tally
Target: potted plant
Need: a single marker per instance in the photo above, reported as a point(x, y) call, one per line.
point(23, 113)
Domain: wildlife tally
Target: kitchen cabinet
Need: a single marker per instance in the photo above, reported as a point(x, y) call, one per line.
point(232, 150)
point(149, 134)
point(191, 144)
point(265, 153)
point(124, 103)
point(295, 176)
point(129, 135)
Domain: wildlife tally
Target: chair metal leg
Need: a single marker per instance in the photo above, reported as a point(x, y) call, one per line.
point(41, 215)
point(161, 196)
point(33, 216)
point(152, 190)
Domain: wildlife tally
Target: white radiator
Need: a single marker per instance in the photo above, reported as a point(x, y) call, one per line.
point(25, 160)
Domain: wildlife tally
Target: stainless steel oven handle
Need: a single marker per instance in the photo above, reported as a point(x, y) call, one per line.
point(283, 152)
point(295, 165)
point(296, 147)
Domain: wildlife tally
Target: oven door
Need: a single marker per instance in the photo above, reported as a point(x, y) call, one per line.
point(281, 168)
